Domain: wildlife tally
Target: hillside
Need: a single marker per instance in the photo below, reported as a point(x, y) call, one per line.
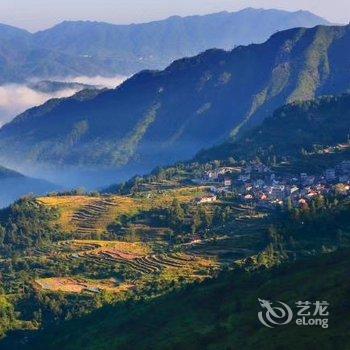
point(88, 215)
point(94, 48)
point(15, 185)
point(156, 118)
point(193, 318)
point(298, 129)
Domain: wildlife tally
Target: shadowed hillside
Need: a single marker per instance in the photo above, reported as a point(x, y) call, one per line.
point(195, 319)
point(296, 129)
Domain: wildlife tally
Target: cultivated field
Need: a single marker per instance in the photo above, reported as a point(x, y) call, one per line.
point(80, 285)
point(139, 263)
point(88, 214)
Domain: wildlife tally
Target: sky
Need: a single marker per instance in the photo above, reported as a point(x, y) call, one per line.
point(35, 15)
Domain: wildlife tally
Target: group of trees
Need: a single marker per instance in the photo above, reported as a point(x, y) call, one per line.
point(180, 218)
point(314, 208)
point(324, 221)
point(7, 315)
point(195, 219)
point(25, 224)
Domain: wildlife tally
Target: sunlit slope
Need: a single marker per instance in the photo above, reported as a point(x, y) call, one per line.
point(93, 214)
point(140, 264)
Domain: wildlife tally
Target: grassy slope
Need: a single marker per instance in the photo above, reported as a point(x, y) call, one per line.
point(221, 314)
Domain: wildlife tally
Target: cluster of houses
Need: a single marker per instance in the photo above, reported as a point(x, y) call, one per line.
point(257, 183)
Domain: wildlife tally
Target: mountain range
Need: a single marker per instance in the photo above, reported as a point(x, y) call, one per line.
point(159, 117)
point(95, 48)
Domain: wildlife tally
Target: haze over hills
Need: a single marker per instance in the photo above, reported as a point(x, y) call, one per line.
point(157, 118)
point(14, 185)
point(93, 48)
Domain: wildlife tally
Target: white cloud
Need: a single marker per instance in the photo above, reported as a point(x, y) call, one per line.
point(109, 82)
point(15, 98)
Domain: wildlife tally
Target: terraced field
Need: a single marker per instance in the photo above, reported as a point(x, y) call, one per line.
point(138, 257)
point(85, 214)
point(80, 285)
point(88, 263)
point(148, 264)
point(88, 215)
point(138, 260)
point(244, 236)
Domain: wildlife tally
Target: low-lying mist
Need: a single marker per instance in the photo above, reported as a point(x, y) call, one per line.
point(17, 98)
point(108, 82)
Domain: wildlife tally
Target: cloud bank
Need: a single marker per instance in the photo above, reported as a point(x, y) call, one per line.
point(15, 98)
point(108, 82)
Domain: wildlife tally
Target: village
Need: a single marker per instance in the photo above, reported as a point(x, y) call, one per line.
point(258, 185)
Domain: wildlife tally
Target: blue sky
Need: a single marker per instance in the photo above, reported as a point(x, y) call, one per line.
point(40, 14)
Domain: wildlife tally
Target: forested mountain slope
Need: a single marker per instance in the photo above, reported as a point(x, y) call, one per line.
point(158, 117)
point(294, 129)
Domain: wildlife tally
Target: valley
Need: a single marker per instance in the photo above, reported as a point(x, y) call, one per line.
point(201, 204)
point(242, 206)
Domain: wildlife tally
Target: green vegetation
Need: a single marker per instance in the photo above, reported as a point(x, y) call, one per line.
point(194, 319)
point(303, 131)
point(58, 279)
point(26, 224)
point(145, 268)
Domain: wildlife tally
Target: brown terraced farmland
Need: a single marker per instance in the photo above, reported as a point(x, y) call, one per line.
point(80, 285)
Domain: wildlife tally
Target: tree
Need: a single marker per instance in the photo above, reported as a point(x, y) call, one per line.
point(196, 222)
point(175, 215)
point(204, 218)
point(289, 204)
point(2, 235)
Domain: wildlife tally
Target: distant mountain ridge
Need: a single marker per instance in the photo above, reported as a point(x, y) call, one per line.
point(14, 185)
point(95, 48)
point(159, 117)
